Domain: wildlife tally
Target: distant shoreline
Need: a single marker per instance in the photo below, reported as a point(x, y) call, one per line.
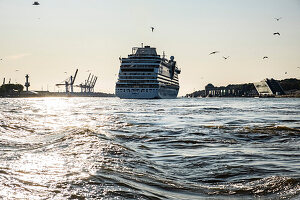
point(265, 88)
point(57, 94)
point(278, 96)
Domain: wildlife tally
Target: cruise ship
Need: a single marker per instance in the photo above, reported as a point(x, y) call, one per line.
point(146, 75)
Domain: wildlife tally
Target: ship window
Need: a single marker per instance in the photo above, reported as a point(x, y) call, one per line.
point(138, 70)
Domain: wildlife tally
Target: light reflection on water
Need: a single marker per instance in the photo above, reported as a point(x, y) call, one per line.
point(226, 148)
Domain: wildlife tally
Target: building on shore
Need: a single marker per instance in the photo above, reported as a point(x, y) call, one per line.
point(269, 87)
point(238, 90)
point(264, 88)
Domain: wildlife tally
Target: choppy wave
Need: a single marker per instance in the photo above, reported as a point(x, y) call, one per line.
point(107, 148)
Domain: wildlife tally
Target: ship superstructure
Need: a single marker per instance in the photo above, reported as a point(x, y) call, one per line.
point(146, 75)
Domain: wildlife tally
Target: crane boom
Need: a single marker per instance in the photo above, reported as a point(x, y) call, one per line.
point(89, 83)
point(74, 77)
point(93, 85)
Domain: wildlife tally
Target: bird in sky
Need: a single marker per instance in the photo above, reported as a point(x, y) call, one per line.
point(214, 52)
point(225, 57)
point(36, 3)
point(17, 70)
point(152, 29)
point(277, 19)
point(285, 73)
point(277, 33)
point(1, 59)
point(265, 57)
point(65, 72)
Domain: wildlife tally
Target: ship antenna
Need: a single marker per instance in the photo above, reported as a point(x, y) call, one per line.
point(142, 45)
point(164, 54)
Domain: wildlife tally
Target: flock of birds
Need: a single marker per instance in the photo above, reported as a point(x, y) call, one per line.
point(36, 3)
point(265, 57)
point(226, 57)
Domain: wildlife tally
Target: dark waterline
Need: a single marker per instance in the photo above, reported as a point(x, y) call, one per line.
point(93, 148)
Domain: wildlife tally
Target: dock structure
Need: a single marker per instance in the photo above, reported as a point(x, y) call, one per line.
point(69, 82)
point(89, 84)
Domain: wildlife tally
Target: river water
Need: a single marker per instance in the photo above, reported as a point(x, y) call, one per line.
point(108, 148)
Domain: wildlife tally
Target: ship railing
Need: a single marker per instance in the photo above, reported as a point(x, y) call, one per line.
point(141, 61)
point(140, 56)
point(140, 64)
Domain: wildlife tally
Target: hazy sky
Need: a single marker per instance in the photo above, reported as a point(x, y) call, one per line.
point(61, 35)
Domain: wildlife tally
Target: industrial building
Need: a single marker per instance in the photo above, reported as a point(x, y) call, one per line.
point(264, 88)
point(239, 90)
point(269, 87)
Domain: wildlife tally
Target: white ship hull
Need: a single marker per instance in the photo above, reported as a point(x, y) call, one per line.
point(147, 75)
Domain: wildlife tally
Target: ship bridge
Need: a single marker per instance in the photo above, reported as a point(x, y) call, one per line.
point(146, 51)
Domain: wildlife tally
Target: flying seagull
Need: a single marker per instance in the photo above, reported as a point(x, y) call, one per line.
point(36, 3)
point(152, 29)
point(214, 52)
point(225, 57)
point(17, 70)
point(277, 33)
point(265, 57)
point(277, 18)
point(285, 73)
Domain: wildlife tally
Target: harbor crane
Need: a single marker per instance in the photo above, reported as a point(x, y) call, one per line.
point(69, 82)
point(89, 84)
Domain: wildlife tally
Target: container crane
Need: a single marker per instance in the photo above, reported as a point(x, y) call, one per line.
point(69, 82)
point(89, 84)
